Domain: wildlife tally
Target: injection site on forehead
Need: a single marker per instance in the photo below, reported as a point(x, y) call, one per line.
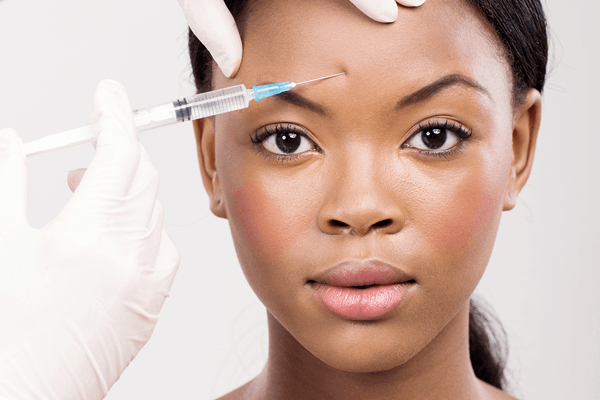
point(419, 96)
point(426, 53)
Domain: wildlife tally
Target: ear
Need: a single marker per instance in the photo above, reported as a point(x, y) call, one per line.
point(205, 144)
point(525, 130)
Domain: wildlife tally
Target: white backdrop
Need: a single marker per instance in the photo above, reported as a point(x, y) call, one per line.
point(544, 273)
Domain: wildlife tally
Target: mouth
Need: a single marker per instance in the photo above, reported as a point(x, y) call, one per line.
point(362, 275)
point(365, 290)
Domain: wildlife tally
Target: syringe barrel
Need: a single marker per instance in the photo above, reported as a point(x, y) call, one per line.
point(190, 108)
point(212, 103)
point(194, 107)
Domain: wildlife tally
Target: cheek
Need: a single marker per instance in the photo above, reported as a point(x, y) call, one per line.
point(468, 217)
point(267, 223)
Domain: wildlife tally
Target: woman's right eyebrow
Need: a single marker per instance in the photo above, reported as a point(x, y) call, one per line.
point(301, 101)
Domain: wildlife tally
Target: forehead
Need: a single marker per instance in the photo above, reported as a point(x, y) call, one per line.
point(304, 39)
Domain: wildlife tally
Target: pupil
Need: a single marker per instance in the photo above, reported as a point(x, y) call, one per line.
point(288, 142)
point(434, 138)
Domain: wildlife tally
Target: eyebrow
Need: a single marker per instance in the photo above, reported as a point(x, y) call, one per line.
point(300, 101)
point(419, 96)
point(432, 89)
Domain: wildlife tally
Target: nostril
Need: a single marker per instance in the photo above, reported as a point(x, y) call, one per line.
point(383, 223)
point(339, 224)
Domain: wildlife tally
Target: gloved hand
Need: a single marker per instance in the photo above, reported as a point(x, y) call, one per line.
point(80, 297)
point(213, 25)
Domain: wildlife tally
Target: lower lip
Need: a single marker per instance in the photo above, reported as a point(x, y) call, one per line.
point(360, 304)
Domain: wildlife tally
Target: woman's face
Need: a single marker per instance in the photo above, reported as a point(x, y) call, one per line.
point(408, 159)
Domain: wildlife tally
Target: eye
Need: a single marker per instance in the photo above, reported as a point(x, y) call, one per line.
point(283, 139)
point(438, 136)
point(287, 142)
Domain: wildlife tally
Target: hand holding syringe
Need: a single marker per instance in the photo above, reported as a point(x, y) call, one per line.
point(190, 108)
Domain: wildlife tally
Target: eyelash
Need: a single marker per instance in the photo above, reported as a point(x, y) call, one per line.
point(455, 127)
point(263, 133)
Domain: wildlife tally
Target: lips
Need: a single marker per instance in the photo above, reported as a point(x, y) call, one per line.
point(364, 290)
point(364, 273)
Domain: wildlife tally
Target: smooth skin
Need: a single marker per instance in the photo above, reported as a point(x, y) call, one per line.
point(214, 26)
point(361, 186)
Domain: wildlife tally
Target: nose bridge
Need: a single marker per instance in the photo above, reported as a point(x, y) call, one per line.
point(360, 198)
point(360, 171)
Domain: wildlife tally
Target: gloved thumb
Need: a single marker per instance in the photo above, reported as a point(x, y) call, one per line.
point(113, 167)
point(14, 179)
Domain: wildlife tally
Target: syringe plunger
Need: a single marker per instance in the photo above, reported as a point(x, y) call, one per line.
point(190, 108)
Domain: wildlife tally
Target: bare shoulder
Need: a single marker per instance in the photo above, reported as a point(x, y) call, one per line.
point(493, 393)
point(241, 393)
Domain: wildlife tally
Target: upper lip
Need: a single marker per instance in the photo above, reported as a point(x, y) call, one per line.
point(362, 273)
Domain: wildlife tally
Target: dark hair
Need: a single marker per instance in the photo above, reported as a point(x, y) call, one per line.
point(488, 349)
point(521, 28)
point(520, 25)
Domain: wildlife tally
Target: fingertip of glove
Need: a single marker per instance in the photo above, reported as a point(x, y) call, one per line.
point(387, 14)
point(228, 56)
point(411, 3)
point(112, 99)
point(109, 87)
point(384, 11)
point(110, 84)
point(229, 68)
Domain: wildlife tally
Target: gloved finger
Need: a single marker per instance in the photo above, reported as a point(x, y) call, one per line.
point(378, 10)
point(410, 3)
point(117, 157)
point(167, 264)
point(384, 10)
point(213, 25)
point(158, 253)
point(152, 238)
point(74, 178)
point(143, 191)
point(135, 210)
point(14, 179)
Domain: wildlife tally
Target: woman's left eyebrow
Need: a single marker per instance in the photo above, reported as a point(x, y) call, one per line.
point(434, 88)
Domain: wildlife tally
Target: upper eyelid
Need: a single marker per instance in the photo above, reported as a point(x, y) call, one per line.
point(435, 122)
point(271, 129)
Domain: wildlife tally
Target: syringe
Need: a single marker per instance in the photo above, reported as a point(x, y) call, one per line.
point(189, 108)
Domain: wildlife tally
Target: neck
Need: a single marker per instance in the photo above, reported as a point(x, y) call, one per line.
point(440, 370)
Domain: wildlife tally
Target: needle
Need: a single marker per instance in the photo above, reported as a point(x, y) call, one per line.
point(318, 79)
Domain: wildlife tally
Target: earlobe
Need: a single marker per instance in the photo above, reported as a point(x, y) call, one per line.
point(205, 145)
point(525, 130)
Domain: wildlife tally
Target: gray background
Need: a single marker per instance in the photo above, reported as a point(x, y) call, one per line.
point(544, 273)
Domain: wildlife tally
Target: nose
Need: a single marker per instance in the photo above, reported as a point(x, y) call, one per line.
point(359, 202)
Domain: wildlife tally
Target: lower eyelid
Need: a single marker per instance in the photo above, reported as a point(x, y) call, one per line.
point(457, 148)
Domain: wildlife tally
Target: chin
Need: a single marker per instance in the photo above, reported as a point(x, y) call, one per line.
point(363, 358)
point(366, 365)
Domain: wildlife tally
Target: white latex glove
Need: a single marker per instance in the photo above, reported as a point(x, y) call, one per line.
point(213, 25)
point(80, 297)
